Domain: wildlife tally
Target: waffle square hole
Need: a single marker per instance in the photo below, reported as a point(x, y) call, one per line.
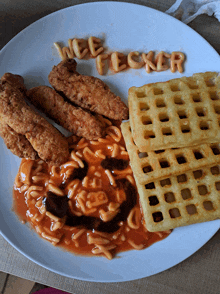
point(147, 169)
point(215, 170)
point(144, 106)
point(186, 194)
point(178, 100)
point(214, 96)
point(146, 120)
point(192, 84)
point(191, 209)
point(164, 163)
point(208, 205)
point(169, 197)
point(158, 91)
point(210, 83)
point(165, 182)
point(140, 94)
point(202, 190)
point(160, 103)
point(215, 149)
point(174, 88)
point(150, 186)
point(174, 213)
point(163, 117)
point(182, 178)
point(200, 111)
point(181, 159)
point(142, 154)
point(157, 216)
point(149, 134)
point(153, 200)
point(204, 126)
point(217, 186)
point(196, 98)
point(167, 132)
point(185, 129)
point(198, 155)
point(198, 174)
point(217, 109)
point(182, 114)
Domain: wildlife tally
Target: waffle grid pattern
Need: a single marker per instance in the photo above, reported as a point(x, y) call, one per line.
point(178, 113)
point(189, 198)
point(148, 166)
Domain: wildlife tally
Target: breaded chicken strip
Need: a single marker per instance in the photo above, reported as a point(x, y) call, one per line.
point(15, 81)
point(49, 143)
point(18, 144)
point(74, 119)
point(86, 91)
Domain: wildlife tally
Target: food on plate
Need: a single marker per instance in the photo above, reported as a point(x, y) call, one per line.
point(176, 61)
point(74, 119)
point(17, 143)
point(84, 199)
point(15, 81)
point(89, 204)
point(95, 46)
point(118, 61)
point(159, 164)
point(172, 197)
point(132, 62)
point(149, 61)
point(177, 113)
point(173, 142)
point(100, 64)
point(161, 61)
point(86, 91)
point(180, 200)
point(46, 140)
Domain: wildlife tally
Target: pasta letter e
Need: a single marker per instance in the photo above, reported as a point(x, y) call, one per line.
point(95, 46)
point(116, 59)
point(79, 49)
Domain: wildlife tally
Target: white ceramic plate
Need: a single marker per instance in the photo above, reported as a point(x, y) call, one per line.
point(123, 27)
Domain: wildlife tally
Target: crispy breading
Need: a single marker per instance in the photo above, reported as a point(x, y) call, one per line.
point(86, 91)
point(48, 142)
point(16, 81)
point(17, 143)
point(74, 119)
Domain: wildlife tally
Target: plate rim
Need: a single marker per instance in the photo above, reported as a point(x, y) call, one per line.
point(51, 15)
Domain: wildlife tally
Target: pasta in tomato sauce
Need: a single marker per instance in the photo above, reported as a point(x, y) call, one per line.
point(88, 205)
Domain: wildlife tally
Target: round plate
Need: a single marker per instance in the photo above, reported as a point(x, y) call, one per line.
point(123, 27)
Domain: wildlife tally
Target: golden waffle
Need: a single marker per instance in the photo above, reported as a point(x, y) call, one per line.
point(152, 165)
point(182, 200)
point(178, 113)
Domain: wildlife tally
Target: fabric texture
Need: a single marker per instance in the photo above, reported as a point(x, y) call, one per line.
point(187, 10)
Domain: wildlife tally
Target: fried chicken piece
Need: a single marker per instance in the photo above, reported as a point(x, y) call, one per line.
point(15, 81)
point(74, 119)
point(17, 143)
point(46, 140)
point(86, 91)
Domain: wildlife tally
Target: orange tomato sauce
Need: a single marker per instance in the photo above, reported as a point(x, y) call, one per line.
point(90, 204)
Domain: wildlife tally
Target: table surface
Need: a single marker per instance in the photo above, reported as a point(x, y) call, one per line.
point(200, 272)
